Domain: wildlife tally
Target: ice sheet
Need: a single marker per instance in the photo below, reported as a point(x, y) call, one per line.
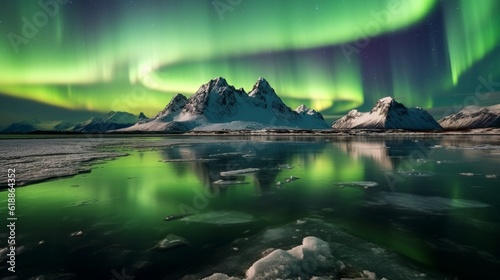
point(43, 159)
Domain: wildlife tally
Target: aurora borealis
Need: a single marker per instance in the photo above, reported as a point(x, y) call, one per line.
point(85, 57)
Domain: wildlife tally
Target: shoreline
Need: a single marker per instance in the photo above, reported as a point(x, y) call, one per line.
point(262, 132)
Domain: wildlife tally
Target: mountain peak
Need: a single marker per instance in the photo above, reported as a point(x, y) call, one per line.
point(302, 108)
point(386, 100)
point(261, 84)
point(217, 105)
point(142, 116)
point(173, 108)
point(178, 98)
point(384, 105)
point(219, 82)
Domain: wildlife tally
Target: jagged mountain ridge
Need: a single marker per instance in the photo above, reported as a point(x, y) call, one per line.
point(217, 105)
point(473, 117)
point(111, 121)
point(388, 114)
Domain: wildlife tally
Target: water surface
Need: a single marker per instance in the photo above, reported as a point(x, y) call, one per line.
point(432, 200)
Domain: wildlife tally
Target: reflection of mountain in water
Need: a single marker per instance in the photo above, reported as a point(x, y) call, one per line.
point(387, 153)
point(210, 159)
point(375, 150)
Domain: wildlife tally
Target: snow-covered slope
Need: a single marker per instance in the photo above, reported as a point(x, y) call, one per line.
point(110, 121)
point(217, 105)
point(388, 114)
point(173, 109)
point(473, 117)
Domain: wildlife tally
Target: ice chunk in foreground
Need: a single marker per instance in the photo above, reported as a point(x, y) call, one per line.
point(220, 276)
point(171, 241)
point(278, 264)
point(302, 260)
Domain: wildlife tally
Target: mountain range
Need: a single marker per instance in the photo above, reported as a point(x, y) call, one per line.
point(388, 114)
point(217, 106)
point(38, 125)
point(110, 121)
point(473, 117)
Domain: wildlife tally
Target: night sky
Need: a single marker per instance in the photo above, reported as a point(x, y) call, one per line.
point(73, 59)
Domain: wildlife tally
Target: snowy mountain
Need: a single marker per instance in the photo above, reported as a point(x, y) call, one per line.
point(217, 105)
point(173, 108)
point(38, 125)
point(473, 117)
point(110, 121)
point(388, 114)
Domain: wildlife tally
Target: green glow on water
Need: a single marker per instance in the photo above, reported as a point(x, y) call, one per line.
point(123, 201)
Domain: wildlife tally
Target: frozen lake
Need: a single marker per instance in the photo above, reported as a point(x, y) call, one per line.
point(416, 207)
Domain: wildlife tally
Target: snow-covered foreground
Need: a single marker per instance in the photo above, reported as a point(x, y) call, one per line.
point(36, 160)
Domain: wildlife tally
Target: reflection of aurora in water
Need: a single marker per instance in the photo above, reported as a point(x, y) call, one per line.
point(445, 221)
point(135, 56)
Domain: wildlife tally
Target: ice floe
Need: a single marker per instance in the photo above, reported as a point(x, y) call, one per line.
point(284, 166)
point(229, 154)
point(291, 179)
point(229, 182)
point(362, 184)
point(76, 233)
point(220, 218)
point(427, 204)
point(475, 147)
point(171, 241)
point(239, 172)
point(487, 176)
point(415, 173)
point(83, 203)
point(188, 160)
point(299, 261)
point(175, 217)
point(287, 180)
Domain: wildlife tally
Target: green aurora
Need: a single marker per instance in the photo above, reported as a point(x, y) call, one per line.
point(331, 55)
